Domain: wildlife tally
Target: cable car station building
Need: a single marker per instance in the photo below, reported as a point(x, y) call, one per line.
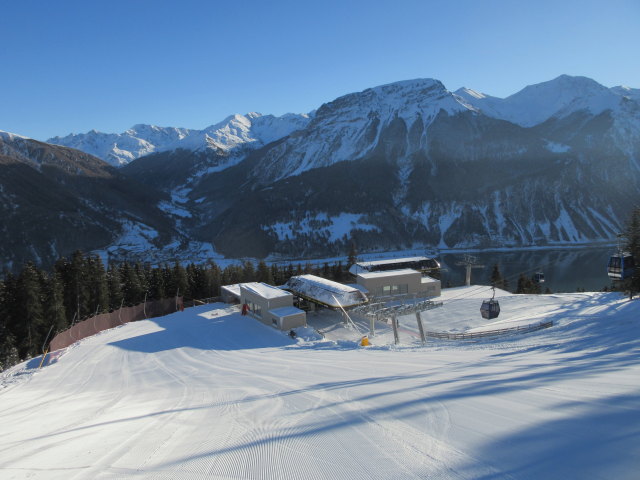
point(398, 276)
point(398, 282)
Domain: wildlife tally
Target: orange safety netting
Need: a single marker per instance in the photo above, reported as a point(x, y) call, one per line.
point(104, 321)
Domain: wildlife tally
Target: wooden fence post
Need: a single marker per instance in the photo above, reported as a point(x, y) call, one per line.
point(394, 323)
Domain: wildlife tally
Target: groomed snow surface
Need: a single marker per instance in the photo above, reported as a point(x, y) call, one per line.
point(208, 393)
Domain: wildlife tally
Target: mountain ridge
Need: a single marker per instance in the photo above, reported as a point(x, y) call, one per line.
point(232, 133)
point(397, 166)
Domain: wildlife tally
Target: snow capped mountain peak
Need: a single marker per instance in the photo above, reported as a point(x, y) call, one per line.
point(408, 99)
point(408, 85)
point(562, 90)
point(357, 124)
point(560, 97)
point(534, 104)
point(11, 136)
point(375, 108)
point(251, 130)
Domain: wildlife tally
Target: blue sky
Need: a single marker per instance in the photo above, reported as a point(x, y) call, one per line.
point(72, 66)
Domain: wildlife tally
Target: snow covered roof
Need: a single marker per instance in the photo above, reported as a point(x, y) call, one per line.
point(264, 290)
point(389, 263)
point(359, 287)
point(285, 311)
point(388, 273)
point(233, 289)
point(325, 292)
point(429, 280)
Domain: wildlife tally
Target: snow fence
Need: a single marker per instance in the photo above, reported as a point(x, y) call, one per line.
point(104, 321)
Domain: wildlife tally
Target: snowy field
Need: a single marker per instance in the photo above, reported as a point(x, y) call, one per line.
point(207, 393)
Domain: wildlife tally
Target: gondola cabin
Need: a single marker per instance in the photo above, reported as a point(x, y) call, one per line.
point(490, 309)
point(621, 266)
point(538, 277)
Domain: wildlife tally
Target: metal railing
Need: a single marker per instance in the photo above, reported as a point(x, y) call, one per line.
point(489, 333)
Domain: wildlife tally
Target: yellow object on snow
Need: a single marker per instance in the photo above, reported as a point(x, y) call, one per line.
point(364, 342)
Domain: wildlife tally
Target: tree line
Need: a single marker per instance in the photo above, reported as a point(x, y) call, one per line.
point(35, 303)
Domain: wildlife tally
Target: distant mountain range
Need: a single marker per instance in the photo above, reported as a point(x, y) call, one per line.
point(234, 135)
point(408, 164)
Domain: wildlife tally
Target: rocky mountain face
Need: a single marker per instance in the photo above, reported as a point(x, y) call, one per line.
point(412, 164)
point(54, 200)
point(404, 165)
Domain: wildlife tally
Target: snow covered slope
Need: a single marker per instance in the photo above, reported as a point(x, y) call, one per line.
point(207, 393)
point(252, 130)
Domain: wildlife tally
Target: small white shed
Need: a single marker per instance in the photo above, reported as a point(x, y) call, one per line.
point(266, 303)
point(286, 318)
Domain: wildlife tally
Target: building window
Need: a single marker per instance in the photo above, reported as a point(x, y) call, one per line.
point(388, 290)
point(256, 309)
point(274, 321)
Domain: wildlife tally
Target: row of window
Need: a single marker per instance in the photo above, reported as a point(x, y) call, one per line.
point(255, 309)
point(393, 290)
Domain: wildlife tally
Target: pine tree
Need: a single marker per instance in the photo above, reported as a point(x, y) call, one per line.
point(527, 285)
point(232, 274)
point(522, 284)
point(11, 314)
point(633, 247)
point(53, 306)
point(143, 281)
point(74, 276)
point(338, 272)
point(289, 272)
point(353, 255)
point(114, 285)
point(180, 281)
point(215, 279)
point(156, 285)
point(97, 286)
point(277, 274)
point(326, 271)
point(264, 273)
point(8, 351)
point(249, 272)
point(132, 291)
point(497, 279)
point(29, 299)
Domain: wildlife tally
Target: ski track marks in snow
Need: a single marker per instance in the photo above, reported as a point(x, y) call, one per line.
point(212, 394)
